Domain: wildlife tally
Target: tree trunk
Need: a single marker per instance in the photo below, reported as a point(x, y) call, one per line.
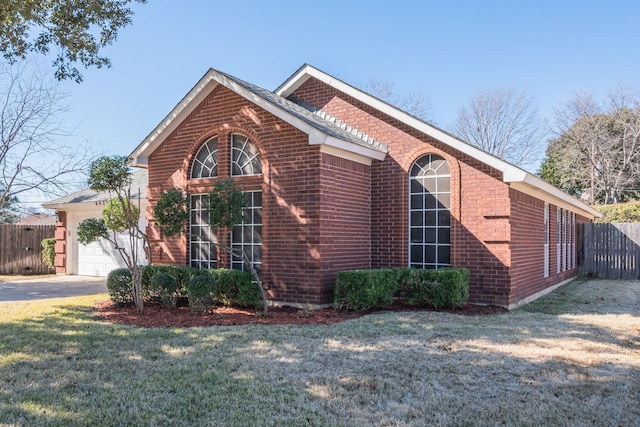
point(136, 279)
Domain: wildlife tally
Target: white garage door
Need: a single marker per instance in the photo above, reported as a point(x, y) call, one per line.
point(100, 257)
point(97, 259)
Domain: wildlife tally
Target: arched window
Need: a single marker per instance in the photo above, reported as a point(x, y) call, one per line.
point(205, 164)
point(246, 236)
point(429, 216)
point(245, 158)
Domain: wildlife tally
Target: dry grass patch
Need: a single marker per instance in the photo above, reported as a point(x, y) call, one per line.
point(58, 366)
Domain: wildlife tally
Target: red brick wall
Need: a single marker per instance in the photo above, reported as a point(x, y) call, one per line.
point(323, 214)
point(345, 218)
point(303, 244)
point(61, 242)
point(480, 200)
point(528, 247)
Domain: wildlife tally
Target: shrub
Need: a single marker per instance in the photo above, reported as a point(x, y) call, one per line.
point(415, 285)
point(621, 212)
point(49, 252)
point(201, 291)
point(180, 273)
point(165, 286)
point(447, 287)
point(363, 289)
point(451, 288)
point(120, 286)
point(236, 287)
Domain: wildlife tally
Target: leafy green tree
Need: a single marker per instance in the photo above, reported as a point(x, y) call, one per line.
point(76, 29)
point(597, 152)
point(226, 205)
point(113, 174)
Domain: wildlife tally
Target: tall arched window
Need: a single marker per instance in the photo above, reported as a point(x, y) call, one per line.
point(205, 164)
point(429, 215)
point(246, 236)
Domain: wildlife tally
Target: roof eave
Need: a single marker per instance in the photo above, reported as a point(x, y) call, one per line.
point(140, 156)
point(512, 175)
point(205, 85)
point(534, 186)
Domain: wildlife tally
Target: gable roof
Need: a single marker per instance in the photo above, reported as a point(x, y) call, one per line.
point(320, 131)
point(87, 196)
point(516, 177)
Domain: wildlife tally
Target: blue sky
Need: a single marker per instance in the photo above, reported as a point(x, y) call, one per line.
point(446, 49)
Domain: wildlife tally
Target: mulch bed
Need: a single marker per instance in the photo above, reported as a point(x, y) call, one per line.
point(155, 315)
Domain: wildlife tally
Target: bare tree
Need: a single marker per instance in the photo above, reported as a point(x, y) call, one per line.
point(415, 103)
point(505, 123)
point(32, 156)
point(596, 153)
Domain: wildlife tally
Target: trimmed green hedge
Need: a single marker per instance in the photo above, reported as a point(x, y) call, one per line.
point(201, 291)
point(165, 286)
point(167, 283)
point(364, 289)
point(120, 286)
point(445, 287)
point(236, 288)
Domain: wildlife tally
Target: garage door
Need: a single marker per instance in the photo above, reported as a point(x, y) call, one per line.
point(99, 258)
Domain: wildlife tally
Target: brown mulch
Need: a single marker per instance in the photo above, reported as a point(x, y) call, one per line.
point(157, 316)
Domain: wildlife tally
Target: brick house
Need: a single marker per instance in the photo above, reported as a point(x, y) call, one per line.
point(337, 179)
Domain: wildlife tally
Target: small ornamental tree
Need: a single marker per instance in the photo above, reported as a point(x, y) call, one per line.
point(226, 205)
point(112, 174)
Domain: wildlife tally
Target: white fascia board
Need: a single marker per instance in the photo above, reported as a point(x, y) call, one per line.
point(516, 177)
point(358, 152)
point(204, 87)
point(536, 187)
point(296, 80)
point(308, 71)
point(88, 207)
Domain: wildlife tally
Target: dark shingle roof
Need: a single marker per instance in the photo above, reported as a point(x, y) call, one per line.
point(140, 180)
point(320, 121)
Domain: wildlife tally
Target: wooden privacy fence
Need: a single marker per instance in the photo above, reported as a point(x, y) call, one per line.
point(610, 251)
point(21, 250)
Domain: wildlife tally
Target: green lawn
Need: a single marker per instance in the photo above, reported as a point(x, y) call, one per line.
point(572, 358)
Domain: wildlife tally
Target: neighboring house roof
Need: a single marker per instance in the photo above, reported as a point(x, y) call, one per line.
point(139, 181)
point(38, 219)
point(516, 177)
point(331, 134)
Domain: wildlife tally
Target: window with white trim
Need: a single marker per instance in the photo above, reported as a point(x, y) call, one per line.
point(429, 215)
point(205, 163)
point(247, 236)
point(559, 239)
point(546, 240)
point(564, 240)
point(573, 240)
point(203, 251)
point(245, 158)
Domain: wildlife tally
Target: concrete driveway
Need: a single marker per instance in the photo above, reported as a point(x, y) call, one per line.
point(51, 287)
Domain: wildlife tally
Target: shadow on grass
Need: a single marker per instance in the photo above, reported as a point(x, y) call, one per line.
point(412, 368)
